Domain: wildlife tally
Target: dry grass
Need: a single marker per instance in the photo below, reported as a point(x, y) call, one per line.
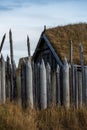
point(12, 117)
point(60, 36)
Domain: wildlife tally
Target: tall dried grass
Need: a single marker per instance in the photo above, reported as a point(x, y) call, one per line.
point(13, 117)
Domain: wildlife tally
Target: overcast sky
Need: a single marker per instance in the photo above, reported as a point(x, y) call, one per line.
point(29, 17)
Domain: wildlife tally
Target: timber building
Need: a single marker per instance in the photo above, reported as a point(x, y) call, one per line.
point(60, 81)
point(54, 45)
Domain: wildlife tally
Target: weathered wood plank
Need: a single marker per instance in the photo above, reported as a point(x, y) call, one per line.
point(3, 89)
point(23, 84)
point(76, 89)
point(66, 90)
point(43, 86)
point(49, 93)
point(58, 85)
point(0, 80)
point(8, 84)
point(29, 84)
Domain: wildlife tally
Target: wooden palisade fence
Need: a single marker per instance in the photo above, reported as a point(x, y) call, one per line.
point(36, 85)
point(39, 90)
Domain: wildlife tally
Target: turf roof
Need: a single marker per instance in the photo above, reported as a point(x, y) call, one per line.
point(60, 36)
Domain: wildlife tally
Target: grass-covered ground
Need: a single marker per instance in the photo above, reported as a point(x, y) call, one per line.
point(12, 117)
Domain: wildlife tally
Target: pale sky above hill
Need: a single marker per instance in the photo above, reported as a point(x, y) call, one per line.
point(29, 17)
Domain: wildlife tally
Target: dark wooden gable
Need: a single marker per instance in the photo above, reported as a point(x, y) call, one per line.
point(44, 51)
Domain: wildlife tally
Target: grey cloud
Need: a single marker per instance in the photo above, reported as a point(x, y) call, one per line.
point(5, 8)
point(7, 3)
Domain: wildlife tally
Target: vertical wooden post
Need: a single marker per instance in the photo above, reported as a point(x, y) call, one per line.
point(3, 90)
point(43, 86)
point(2, 74)
point(71, 72)
point(82, 66)
point(8, 73)
point(66, 91)
point(11, 47)
point(73, 84)
point(0, 79)
point(53, 84)
point(33, 83)
point(2, 42)
point(18, 81)
point(85, 94)
point(29, 84)
point(14, 82)
point(37, 84)
point(80, 88)
point(28, 46)
point(58, 84)
point(81, 54)
point(23, 84)
point(12, 63)
point(70, 51)
point(76, 89)
point(49, 93)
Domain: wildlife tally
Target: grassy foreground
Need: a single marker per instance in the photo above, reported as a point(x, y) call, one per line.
point(12, 117)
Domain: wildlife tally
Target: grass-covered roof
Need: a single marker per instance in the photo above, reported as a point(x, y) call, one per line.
point(60, 36)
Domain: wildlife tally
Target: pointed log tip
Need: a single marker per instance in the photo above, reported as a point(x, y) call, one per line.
point(65, 61)
point(28, 37)
point(44, 27)
point(28, 46)
point(2, 57)
point(69, 65)
point(58, 68)
point(70, 41)
point(28, 64)
point(48, 65)
point(42, 62)
point(81, 47)
point(28, 40)
point(80, 44)
point(10, 32)
point(4, 35)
